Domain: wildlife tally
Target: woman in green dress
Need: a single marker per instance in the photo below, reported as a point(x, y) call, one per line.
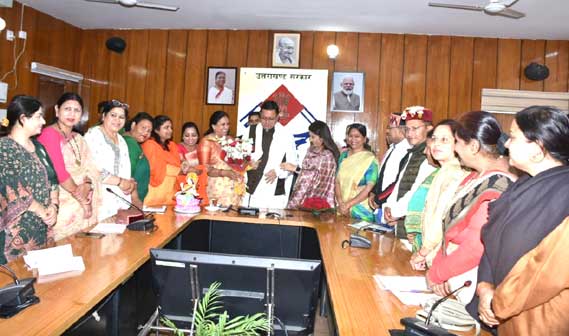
point(28, 199)
point(138, 130)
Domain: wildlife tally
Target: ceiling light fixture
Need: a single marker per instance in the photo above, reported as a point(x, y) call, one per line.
point(332, 50)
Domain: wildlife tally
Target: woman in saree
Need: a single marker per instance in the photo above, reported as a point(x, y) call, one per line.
point(457, 259)
point(357, 174)
point(79, 183)
point(137, 132)
point(166, 168)
point(110, 156)
point(523, 284)
point(443, 184)
point(28, 198)
point(224, 184)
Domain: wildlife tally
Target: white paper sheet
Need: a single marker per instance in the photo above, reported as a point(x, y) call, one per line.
point(402, 283)
point(109, 228)
point(410, 290)
point(54, 260)
point(158, 209)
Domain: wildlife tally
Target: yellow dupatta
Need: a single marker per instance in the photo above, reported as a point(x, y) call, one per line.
point(351, 171)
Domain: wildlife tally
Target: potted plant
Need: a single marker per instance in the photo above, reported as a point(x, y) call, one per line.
point(209, 321)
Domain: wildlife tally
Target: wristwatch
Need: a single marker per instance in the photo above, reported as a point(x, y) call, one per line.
point(297, 170)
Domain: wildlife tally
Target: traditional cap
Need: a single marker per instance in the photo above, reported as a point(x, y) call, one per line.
point(417, 113)
point(395, 120)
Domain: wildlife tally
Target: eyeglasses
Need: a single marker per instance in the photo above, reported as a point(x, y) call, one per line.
point(414, 129)
point(442, 140)
point(118, 103)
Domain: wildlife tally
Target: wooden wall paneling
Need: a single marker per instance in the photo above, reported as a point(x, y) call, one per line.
point(156, 76)
point(532, 51)
point(259, 53)
point(27, 81)
point(347, 61)
point(320, 60)
point(306, 49)
point(509, 63)
point(100, 85)
point(484, 68)
point(12, 18)
point(136, 71)
point(118, 67)
point(414, 70)
point(460, 92)
point(391, 73)
point(216, 56)
point(557, 60)
point(86, 66)
point(175, 79)
point(438, 76)
point(369, 52)
point(237, 45)
point(194, 96)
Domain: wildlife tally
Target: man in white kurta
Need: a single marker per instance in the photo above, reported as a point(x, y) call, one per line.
point(269, 186)
point(219, 93)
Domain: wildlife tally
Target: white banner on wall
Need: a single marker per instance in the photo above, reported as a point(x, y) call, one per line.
point(300, 93)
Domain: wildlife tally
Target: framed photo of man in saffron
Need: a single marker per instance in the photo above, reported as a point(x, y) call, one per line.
point(286, 50)
point(221, 86)
point(347, 92)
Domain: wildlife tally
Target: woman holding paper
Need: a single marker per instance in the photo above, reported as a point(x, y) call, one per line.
point(28, 196)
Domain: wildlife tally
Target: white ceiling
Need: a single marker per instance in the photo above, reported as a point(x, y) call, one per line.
point(545, 19)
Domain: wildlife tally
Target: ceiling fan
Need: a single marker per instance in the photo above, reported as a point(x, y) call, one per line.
point(136, 3)
point(494, 7)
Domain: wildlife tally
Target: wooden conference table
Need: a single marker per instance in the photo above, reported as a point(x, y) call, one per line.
point(359, 306)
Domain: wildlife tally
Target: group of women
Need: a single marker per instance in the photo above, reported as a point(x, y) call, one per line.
point(476, 217)
point(484, 215)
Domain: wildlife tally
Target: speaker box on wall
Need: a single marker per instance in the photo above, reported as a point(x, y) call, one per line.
point(116, 44)
point(536, 71)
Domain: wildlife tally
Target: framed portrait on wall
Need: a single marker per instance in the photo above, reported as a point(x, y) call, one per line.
point(347, 92)
point(221, 85)
point(286, 50)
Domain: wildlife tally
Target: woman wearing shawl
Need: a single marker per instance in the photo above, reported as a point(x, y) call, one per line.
point(523, 287)
point(357, 174)
point(80, 186)
point(166, 169)
point(440, 187)
point(457, 259)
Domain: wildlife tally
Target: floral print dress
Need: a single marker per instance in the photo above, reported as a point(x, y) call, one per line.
point(23, 178)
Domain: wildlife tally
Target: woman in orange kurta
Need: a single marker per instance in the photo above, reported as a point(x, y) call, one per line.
point(166, 170)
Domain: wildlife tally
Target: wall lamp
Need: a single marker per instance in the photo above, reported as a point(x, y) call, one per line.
point(332, 51)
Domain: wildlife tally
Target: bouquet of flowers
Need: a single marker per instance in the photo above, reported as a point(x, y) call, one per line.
point(236, 152)
point(316, 205)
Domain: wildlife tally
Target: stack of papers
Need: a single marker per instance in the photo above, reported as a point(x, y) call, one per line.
point(109, 228)
point(410, 290)
point(54, 260)
point(158, 209)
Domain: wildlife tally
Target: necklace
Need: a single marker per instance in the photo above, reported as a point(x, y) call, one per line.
point(73, 144)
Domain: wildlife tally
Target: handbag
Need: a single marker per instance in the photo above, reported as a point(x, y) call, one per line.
point(450, 315)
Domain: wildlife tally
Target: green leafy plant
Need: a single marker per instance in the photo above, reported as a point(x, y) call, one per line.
point(210, 322)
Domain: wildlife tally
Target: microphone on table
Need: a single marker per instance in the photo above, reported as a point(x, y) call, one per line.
point(444, 298)
point(415, 326)
point(17, 296)
point(144, 224)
